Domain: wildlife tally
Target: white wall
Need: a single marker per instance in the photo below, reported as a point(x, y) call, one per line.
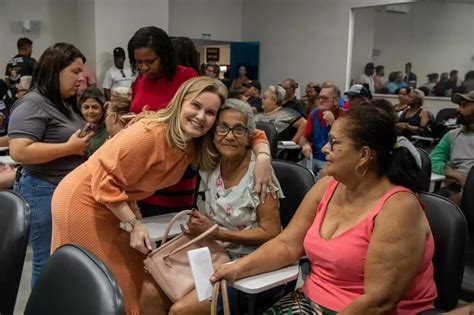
point(51, 13)
point(303, 39)
point(117, 20)
point(220, 18)
point(435, 37)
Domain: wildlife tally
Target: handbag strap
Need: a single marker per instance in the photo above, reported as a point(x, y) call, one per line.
point(222, 284)
point(191, 242)
point(173, 220)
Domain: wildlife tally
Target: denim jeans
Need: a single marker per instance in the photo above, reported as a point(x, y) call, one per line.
point(38, 194)
point(317, 166)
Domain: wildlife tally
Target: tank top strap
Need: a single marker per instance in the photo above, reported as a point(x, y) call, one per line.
point(389, 193)
point(327, 196)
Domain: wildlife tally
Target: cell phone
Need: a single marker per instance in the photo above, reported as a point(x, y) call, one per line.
point(88, 128)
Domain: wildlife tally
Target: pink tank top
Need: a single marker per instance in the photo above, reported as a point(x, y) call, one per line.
point(337, 265)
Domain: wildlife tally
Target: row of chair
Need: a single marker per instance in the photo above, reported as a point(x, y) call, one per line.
point(75, 282)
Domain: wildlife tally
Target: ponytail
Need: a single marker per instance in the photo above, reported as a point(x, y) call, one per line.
point(403, 170)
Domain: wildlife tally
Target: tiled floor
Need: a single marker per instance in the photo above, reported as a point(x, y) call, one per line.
point(24, 291)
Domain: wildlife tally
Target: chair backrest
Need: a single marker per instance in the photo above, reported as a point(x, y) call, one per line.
point(425, 169)
point(14, 234)
point(272, 136)
point(295, 181)
point(449, 229)
point(467, 202)
point(445, 114)
point(75, 282)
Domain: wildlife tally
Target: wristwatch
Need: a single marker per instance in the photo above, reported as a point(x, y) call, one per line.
point(129, 225)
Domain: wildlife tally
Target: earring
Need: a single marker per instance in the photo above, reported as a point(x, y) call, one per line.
point(357, 171)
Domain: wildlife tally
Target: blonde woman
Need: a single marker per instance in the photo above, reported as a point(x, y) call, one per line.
point(94, 206)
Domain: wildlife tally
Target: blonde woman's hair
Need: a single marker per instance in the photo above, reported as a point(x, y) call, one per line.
point(204, 153)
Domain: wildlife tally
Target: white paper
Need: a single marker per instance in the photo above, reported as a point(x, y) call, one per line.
point(202, 269)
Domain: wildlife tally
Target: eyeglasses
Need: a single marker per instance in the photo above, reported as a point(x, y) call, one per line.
point(223, 130)
point(332, 141)
point(123, 74)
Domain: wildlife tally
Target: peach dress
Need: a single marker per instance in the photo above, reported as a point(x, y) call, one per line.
point(129, 167)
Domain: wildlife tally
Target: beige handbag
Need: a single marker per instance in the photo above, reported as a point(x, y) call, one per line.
point(222, 284)
point(169, 264)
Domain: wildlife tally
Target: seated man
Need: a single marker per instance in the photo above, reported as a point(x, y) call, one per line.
point(357, 94)
point(318, 125)
point(454, 156)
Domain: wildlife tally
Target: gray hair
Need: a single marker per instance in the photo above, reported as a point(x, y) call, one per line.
point(278, 92)
point(243, 108)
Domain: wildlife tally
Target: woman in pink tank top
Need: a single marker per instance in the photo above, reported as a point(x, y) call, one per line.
point(362, 228)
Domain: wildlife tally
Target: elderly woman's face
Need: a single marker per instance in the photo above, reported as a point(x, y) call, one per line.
point(92, 110)
point(148, 62)
point(231, 136)
point(268, 101)
point(414, 99)
point(341, 155)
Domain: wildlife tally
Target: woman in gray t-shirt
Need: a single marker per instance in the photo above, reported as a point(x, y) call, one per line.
point(44, 136)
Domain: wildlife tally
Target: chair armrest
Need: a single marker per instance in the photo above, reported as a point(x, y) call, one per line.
point(266, 281)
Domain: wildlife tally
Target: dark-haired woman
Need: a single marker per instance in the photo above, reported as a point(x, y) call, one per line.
point(414, 119)
point(92, 102)
point(44, 136)
point(363, 229)
point(186, 53)
point(151, 53)
point(402, 100)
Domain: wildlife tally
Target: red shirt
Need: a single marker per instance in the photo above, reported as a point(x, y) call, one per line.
point(158, 93)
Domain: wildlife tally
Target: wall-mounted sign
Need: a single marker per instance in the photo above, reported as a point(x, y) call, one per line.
point(212, 54)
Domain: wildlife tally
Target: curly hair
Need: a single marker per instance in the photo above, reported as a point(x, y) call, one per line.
point(157, 40)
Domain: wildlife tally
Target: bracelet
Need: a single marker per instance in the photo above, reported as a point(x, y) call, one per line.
point(265, 153)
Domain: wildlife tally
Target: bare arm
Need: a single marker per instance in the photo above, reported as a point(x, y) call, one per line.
point(300, 125)
point(284, 249)
point(4, 141)
point(27, 151)
point(139, 237)
point(394, 256)
point(453, 174)
point(268, 226)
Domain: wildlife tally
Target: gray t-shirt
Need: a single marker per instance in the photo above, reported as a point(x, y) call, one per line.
point(36, 118)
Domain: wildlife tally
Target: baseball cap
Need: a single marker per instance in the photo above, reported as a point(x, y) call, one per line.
point(359, 90)
point(253, 83)
point(119, 52)
point(458, 97)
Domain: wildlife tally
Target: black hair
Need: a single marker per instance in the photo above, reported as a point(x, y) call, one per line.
point(185, 52)
point(157, 40)
point(469, 75)
point(46, 75)
point(373, 127)
point(3, 89)
point(95, 93)
point(453, 72)
point(215, 68)
point(23, 43)
point(408, 64)
point(379, 68)
point(393, 76)
point(425, 90)
point(408, 89)
point(369, 68)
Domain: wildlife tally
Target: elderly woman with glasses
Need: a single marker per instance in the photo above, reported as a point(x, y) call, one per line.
point(288, 122)
point(228, 198)
point(362, 228)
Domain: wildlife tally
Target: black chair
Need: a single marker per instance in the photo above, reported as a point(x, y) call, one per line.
point(467, 207)
point(295, 181)
point(445, 114)
point(449, 229)
point(14, 235)
point(425, 169)
point(272, 136)
point(75, 282)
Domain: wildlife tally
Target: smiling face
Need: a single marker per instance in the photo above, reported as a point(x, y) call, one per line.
point(235, 142)
point(148, 62)
point(199, 114)
point(92, 110)
point(70, 79)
